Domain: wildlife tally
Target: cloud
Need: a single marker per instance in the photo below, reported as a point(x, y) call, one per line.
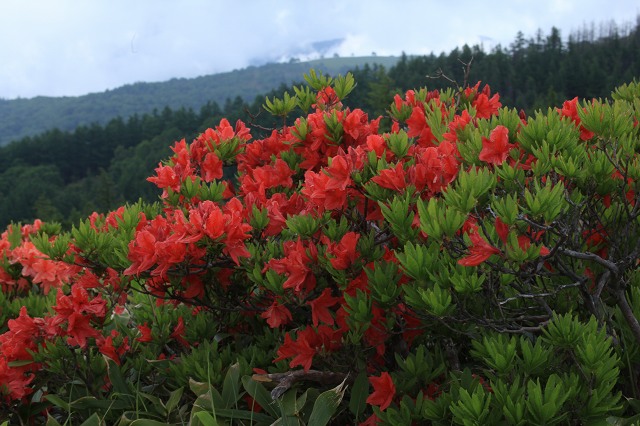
point(72, 47)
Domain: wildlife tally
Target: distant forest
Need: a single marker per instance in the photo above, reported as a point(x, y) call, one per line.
point(20, 117)
point(65, 175)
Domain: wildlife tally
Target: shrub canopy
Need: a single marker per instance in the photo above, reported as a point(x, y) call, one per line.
point(454, 262)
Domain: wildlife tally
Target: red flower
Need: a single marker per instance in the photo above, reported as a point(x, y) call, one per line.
point(142, 252)
point(211, 167)
point(300, 350)
point(459, 122)
point(340, 173)
point(435, 168)
point(418, 126)
point(392, 178)
point(496, 149)
point(106, 347)
point(207, 218)
point(79, 330)
point(170, 252)
point(78, 302)
point(327, 98)
point(485, 106)
point(276, 315)
point(570, 110)
point(166, 177)
point(345, 251)
point(524, 242)
point(309, 342)
point(320, 308)
point(377, 335)
point(22, 337)
point(480, 251)
point(296, 265)
point(377, 144)
point(373, 420)
point(178, 333)
point(355, 125)
point(383, 391)
point(145, 332)
point(193, 287)
point(14, 383)
point(317, 192)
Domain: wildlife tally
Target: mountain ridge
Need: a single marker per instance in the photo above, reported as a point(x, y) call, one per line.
point(24, 117)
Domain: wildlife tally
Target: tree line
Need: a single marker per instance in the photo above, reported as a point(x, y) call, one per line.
point(65, 175)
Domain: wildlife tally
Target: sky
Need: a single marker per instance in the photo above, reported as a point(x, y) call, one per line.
point(75, 47)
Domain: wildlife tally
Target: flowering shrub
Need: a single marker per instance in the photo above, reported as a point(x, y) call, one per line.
point(459, 263)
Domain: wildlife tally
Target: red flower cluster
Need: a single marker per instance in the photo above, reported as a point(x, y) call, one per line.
point(496, 149)
point(570, 110)
point(296, 265)
point(222, 237)
point(77, 319)
point(482, 101)
point(35, 268)
point(309, 342)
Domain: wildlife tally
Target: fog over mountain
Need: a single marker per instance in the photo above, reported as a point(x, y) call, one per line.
point(71, 48)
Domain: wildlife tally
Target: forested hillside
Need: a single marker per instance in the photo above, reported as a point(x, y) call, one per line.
point(530, 73)
point(62, 175)
point(27, 117)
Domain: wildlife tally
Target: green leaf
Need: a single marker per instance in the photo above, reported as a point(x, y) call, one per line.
point(438, 300)
point(174, 399)
point(150, 422)
point(92, 403)
point(281, 107)
point(287, 421)
point(155, 402)
point(50, 422)
point(305, 100)
point(261, 395)
point(230, 413)
point(317, 80)
point(619, 421)
point(231, 386)
point(94, 420)
point(115, 376)
point(206, 418)
point(544, 404)
point(359, 393)
point(20, 363)
point(472, 408)
point(57, 401)
point(288, 403)
point(198, 388)
point(344, 85)
point(398, 143)
point(326, 405)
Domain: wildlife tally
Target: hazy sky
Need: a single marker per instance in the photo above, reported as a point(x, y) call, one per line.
point(74, 47)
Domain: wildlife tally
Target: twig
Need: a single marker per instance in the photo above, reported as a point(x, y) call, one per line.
point(284, 381)
point(252, 122)
point(594, 257)
point(627, 312)
point(535, 296)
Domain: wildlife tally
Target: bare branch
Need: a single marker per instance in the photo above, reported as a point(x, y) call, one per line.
point(593, 257)
point(627, 312)
point(467, 71)
point(284, 381)
point(535, 296)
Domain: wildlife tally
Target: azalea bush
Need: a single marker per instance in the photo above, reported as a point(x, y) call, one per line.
point(453, 262)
